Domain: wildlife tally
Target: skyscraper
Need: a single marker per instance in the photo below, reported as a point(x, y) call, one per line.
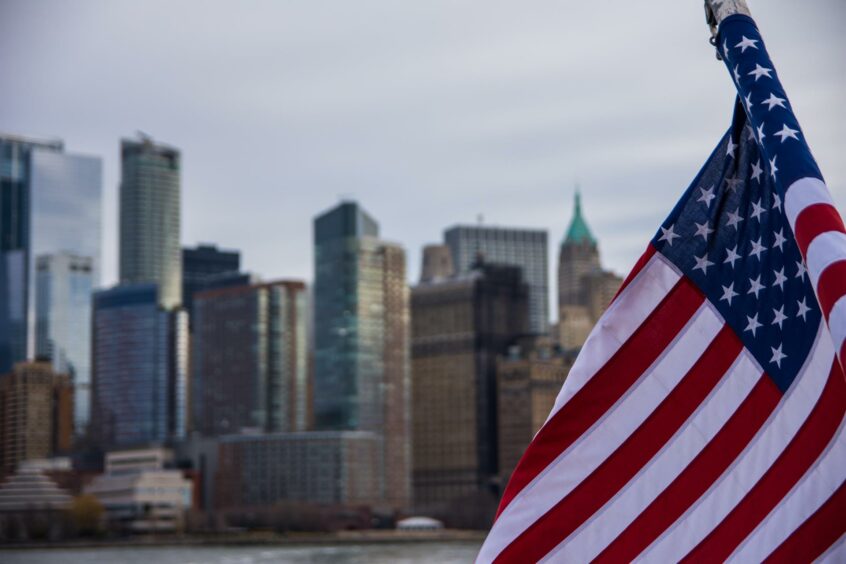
point(459, 327)
point(202, 263)
point(150, 218)
point(36, 414)
point(250, 359)
point(140, 360)
point(361, 372)
point(525, 248)
point(50, 201)
point(64, 283)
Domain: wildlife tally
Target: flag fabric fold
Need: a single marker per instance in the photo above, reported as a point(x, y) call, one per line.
point(703, 419)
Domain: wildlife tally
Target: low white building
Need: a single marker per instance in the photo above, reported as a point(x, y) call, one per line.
point(140, 494)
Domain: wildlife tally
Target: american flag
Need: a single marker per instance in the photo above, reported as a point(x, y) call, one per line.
point(703, 419)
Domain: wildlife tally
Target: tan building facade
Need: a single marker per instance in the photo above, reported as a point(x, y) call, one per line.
point(36, 414)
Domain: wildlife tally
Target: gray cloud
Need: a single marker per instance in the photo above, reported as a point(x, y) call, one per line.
point(429, 113)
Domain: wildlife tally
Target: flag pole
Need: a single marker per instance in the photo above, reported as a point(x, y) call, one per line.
point(718, 10)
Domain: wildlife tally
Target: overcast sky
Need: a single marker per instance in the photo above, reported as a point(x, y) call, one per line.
point(429, 113)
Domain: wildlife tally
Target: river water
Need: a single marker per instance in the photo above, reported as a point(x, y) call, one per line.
point(440, 552)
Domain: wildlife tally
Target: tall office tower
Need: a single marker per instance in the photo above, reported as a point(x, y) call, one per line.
point(202, 263)
point(64, 283)
point(584, 289)
point(361, 365)
point(437, 263)
point(49, 202)
point(36, 414)
point(459, 327)
point(528, 379)
point(526, 248)
point(140, 363)
point(250, 359)
point(150, 218)
point(578, 256)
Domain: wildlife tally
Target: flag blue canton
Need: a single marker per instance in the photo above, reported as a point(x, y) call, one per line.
point(729, 234)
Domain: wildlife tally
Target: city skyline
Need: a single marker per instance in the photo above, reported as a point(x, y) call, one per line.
point(517, 113)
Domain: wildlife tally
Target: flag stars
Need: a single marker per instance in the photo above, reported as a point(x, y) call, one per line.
point(753, 324)
point(786, 133)
point(761, 133)
point(706, 196)
point(760, 71)
point(801, 271)
point(757, 210)
point(778, 356)
point(757, 171)
point(803, 309)
point(728, 293)
point(779, 317)
point(748, 100)
point(774, 101)
point(776, 202)
point(732, 256)
point(702, 263)
point(780, 278)
point(703, 230)
point(755, 286)
point(746, 43)
point(668, 235)
point(734, 183)
point(757, 249)
point(780, 240)
point(726, 49)
point(773, 167)
point(730, 148)
point(734, 219)
point(737, 73)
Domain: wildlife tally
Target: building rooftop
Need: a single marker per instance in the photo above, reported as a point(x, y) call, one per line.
point(578, 232)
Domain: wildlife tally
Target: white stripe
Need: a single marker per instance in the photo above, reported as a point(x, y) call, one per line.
point(826, 249)
point(771, 440)
point(586, 454)
point(643, 294)
point(804, 499)
point(803, 193)
point(837, 323)
point(666, 466)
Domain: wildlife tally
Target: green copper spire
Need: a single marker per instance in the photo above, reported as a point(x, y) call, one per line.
point(578, 231)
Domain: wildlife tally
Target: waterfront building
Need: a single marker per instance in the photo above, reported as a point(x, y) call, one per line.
point(529, 378)
point(524, 248)
point(361, 371)
point(36, 414)
point(584, 288)
point(459, 327)
point(50, 201)
point(201, 264)
point(150, 218)
point(250, 365)
point(64, 284)
point(140, 493)
point(140, 360)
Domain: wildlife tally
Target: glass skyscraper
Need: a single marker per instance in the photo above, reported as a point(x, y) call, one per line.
point(139, 367)
point(64, 283)
point(202, 264)
point(50, 202)
point(361, 362)
point(526, 248)
point(150, 218)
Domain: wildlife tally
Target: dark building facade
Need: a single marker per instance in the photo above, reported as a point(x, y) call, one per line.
point(36, 414)
point(250, 359)
point(361, 370)
point(202, 264)
point(459, 328)
point(140, 362)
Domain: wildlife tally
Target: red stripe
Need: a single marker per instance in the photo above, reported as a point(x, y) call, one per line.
point(816, 432)
point(815, 220)
point(607, 386)
point(817, 534)
point(831, 286)
point(698, 476)
point(616, 471)
point(641, 262)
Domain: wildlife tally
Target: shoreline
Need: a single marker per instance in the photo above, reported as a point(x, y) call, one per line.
point(375, 536)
